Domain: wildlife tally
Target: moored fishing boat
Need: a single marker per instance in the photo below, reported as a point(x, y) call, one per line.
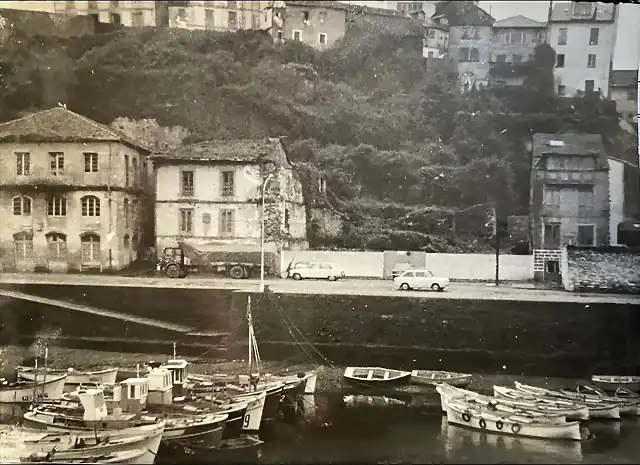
point(438, 376)
point(629, 405)
point(517, 424)
point(611, 383)
point(135, 456)
point(571, 410)
point(74, 377)
point(376, 376)
point(22, 445)
point(597, 408)
point(24, 392)
point(450, 392)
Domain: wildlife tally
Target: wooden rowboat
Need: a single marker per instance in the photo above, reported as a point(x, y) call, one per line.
point(571, 410)
point(597, 408)
point(629, 405)
point(465, 414)
point(375, 376)
point(611, 383)
point(436, 376)
point(497, 405)
point(74, 377)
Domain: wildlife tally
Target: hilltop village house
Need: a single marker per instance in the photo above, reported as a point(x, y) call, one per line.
point(513, 43)
point(210, 193)
point(72, 193)
point(624, 91)
point(470, 34)
point(583, 35)
point(569, 197)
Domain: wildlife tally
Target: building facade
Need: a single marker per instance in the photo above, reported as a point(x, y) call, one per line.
point(318, 24)
point(569, 199)
point(470, 33)
point(220, 15)
point(130, 13)
point(513, 43)
point(624, 199)
point(624, 91)
point(583, 34)
point(72, 193)
point(211, 193)
point(436, 36)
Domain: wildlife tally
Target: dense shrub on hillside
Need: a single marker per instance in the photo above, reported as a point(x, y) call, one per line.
point(390, 134)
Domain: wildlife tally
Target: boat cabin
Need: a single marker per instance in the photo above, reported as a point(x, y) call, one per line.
point(179, 372)
point(160, 387)
point(95, 407)
point(131, 395)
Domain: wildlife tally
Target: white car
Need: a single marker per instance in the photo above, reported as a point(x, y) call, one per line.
point(316, 270)
point(420, 279)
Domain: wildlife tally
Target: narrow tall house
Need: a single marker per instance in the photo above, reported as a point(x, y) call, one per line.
point(569, 197)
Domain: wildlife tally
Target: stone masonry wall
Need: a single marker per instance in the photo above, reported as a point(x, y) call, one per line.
point(602, 269)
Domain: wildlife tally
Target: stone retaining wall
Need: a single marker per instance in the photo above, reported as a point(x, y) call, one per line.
point(601, 269)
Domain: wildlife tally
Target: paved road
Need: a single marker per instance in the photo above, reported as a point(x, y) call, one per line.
point(346, 286)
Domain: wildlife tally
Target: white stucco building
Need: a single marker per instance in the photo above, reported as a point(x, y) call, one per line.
point(583, 35)
point(211, 194)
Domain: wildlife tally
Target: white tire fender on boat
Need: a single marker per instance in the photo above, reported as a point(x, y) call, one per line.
point(515, 428)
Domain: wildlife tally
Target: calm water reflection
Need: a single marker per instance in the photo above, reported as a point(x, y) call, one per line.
point(375, 430)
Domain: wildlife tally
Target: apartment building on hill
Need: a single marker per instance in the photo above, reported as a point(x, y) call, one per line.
point(583, 34)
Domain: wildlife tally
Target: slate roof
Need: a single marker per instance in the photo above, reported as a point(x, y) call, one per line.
point(61, 125)
point(463, 14)
point(361, 10)
point(624, 78)
point(573, 144)
point(238, 151)
point(518, 21)
point(563, 12)
point(316, 4)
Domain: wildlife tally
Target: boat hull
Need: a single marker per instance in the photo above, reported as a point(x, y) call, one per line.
point(495, 424)
point(45, 421)
point(611, 383)
point(107, 376)
point(376, 377)
point(207, 428)
point(511, 396)
point(52, 389)
point(426, 377)
point(253, 417)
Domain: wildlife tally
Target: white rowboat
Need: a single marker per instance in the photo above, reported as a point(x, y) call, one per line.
point(571, 410)
point(376, 376)
point(611, 383)
point(597, 409)
point(465, 414)
point(436, 376)
point(74, 377)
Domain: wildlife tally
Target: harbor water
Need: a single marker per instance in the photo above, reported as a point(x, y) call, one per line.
point(358, 429)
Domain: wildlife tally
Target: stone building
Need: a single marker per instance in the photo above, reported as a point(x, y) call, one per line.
point(72, 193)
point(436, 35)
point(624, 91)
point(211, 193)
point(220, 16)
point(319, 24)
point(569, 199)
point(512, 45)
point(583, 34)
point(470, 33)
point(133, 13)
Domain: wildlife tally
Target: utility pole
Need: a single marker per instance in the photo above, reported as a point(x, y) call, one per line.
point(496, 235)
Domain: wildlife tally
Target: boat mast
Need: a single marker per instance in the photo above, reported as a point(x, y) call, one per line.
point(35, 380)
point(46, 355)
point(249, 324)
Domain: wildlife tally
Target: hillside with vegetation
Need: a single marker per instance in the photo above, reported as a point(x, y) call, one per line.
point(408, 159)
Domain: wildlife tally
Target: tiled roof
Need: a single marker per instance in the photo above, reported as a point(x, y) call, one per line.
point(239, 150)
point(624, 78)
point(368, 10)
point(570, 143)
point(518, 21)
point(61, 125)
point(563, 12)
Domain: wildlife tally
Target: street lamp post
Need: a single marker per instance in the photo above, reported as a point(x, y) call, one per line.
point(264, 187)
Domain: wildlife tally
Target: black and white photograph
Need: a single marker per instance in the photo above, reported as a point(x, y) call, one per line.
point(282, 232)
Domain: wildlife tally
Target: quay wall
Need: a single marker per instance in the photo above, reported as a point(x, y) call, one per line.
point(565, 339)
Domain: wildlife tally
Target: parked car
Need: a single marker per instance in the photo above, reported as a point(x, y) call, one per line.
point(315, 270)
point(420, 279)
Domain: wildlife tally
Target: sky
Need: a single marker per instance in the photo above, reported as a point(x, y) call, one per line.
point(626, 54)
